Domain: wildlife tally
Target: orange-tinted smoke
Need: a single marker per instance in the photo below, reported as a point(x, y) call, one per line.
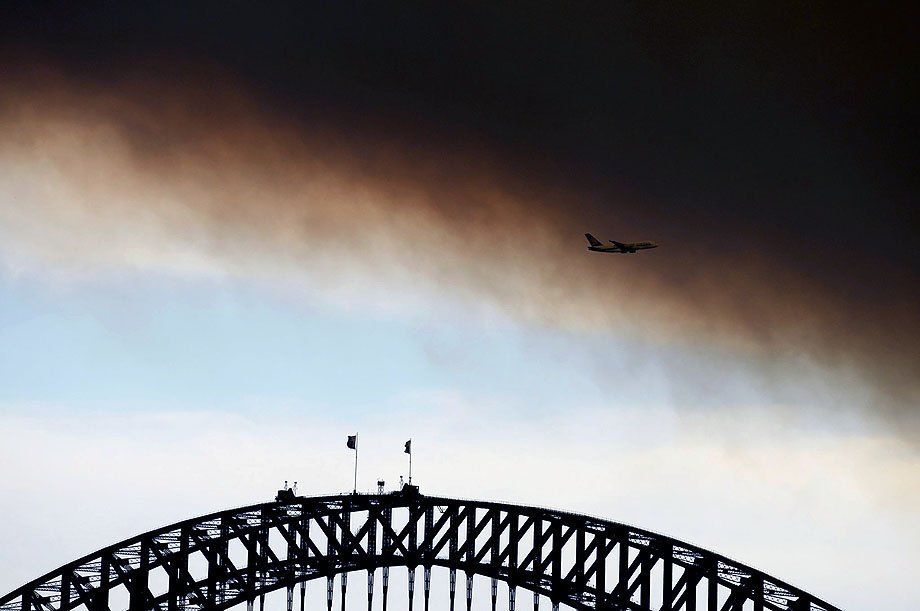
point(191, 173)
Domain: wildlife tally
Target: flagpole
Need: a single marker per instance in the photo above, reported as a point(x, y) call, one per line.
point(410, 461)
point(355, 489)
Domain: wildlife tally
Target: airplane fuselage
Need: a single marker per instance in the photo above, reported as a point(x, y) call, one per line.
point(628, 248)
point(618, 247)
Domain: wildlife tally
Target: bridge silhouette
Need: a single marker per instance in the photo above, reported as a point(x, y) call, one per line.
point(238, 556)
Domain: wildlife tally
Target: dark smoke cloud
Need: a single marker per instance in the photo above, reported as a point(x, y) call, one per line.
point(770, 151)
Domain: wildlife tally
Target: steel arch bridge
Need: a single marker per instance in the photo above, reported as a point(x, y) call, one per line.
point(237, 556)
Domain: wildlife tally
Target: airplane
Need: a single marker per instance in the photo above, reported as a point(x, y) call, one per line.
point(619, 247)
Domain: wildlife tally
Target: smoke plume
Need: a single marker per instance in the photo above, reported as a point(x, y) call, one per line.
point(378, 165)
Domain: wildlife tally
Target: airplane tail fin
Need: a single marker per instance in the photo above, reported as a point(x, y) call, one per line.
point(592, 240)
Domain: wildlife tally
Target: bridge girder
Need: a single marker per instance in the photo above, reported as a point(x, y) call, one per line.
point(223, 559)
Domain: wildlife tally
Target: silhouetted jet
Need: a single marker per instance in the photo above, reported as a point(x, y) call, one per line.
point(621, 247)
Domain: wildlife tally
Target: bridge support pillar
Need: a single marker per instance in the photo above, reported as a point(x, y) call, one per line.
point(427, 585)
point(263, 551)
point(387, 523)
point(372, 551)
point(330, 553)
point(304, 556)
point(138, 588)
point(370, 589)
point(712, 594)
point(690, 599)
point(538, 556)
point(346, 529)
point(645, 580)
point(386, 586)
point(667, 578)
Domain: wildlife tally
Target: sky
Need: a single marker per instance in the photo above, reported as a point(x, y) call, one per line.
point(231, 235)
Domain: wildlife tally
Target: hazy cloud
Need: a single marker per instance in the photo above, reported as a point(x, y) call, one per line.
point(148, 174)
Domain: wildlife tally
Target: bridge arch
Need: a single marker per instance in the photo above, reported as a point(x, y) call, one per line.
point(220, 560)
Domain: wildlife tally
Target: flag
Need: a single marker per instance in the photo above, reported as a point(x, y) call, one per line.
point(409, 447)
point(352, 442)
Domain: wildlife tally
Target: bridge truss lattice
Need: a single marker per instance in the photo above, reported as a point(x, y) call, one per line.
point(237, 556)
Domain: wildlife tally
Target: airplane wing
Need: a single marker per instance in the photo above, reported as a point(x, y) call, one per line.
point(619, 245)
